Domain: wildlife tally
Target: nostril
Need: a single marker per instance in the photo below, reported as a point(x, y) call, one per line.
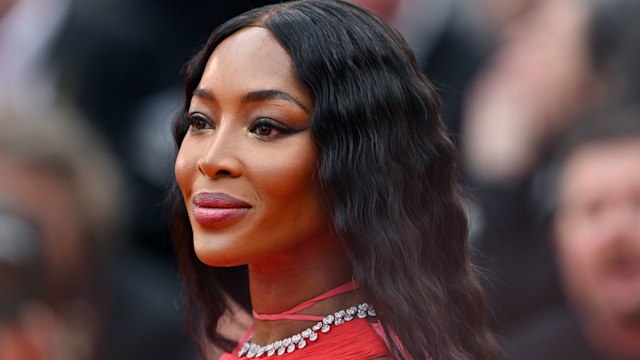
point(223, 173)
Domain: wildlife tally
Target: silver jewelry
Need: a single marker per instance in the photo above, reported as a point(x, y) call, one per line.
point(302, 339)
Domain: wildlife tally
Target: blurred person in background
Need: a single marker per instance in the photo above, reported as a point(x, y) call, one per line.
point(552, 67)
point(597, 232)
point(72, 290)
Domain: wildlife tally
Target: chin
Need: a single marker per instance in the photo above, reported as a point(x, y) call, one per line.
point(211, 255)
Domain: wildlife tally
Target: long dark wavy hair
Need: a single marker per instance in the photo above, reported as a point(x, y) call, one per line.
point(388, 171)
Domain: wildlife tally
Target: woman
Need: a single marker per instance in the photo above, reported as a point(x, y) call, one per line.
point(318, 180)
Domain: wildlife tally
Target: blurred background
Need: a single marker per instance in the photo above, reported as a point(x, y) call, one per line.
point(88, 90)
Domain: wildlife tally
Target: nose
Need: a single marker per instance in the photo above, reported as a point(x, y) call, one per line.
point(220, 158)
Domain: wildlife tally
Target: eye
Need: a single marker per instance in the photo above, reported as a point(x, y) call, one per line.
point(268, 128)
point(198, 122)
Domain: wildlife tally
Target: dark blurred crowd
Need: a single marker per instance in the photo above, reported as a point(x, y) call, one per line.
point(542, 98)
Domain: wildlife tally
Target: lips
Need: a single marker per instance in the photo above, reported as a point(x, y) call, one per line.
point(214, 209)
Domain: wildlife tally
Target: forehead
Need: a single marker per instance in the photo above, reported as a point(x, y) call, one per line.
point(602, 166)
point(253, 57)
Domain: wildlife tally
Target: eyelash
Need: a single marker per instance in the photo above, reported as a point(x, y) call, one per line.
point(270, 124)
point(199, 122)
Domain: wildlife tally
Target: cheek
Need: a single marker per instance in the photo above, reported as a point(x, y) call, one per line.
point(185, 168)
point(287, 177)
point(288, 186)
point(576, 258)
point(579, 255)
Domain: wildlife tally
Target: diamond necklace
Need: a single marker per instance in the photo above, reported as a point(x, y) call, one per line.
point(299, 340)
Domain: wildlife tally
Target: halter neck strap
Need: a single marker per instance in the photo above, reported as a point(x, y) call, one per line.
point(291, 313)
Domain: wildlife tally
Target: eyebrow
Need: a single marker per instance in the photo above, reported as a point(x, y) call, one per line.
point(256, 96)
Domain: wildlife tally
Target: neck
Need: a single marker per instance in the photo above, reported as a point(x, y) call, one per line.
point(283, 281)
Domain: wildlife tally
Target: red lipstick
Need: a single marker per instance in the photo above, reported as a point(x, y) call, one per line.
point(211, 209)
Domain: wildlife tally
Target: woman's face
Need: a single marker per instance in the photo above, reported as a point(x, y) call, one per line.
point(246, 167)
